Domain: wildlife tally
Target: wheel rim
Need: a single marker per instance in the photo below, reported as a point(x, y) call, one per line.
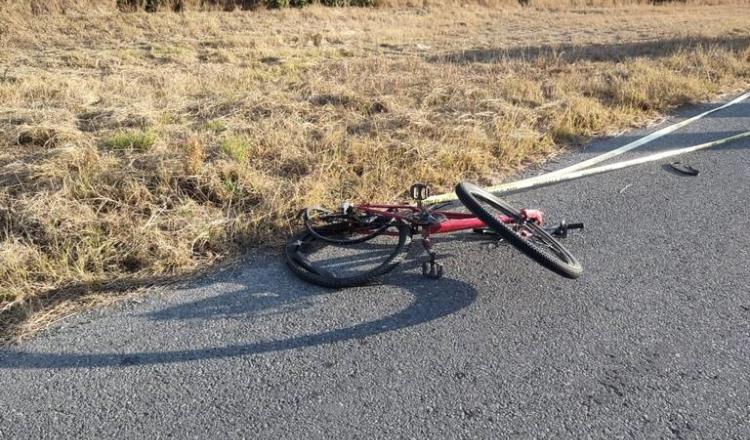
point(331, 227)
point(527, 230)
point(526, 236)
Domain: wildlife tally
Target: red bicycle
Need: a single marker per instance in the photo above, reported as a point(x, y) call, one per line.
point(360, 243)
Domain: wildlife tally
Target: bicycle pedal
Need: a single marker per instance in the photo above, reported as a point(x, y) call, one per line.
point(432, 270)
point(419, 191)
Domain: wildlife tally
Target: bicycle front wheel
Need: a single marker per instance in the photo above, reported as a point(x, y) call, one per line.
point(526, 236)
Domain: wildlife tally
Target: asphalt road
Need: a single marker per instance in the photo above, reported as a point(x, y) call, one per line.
point(652, 342)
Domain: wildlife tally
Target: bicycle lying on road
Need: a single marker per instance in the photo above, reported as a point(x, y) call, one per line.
point(360, 243)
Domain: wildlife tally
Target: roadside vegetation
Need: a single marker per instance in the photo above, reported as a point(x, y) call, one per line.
point(136, 146)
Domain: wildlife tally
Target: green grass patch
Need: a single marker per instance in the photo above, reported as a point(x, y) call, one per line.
point(236, 148)
point(135, 140)
point(215, 125)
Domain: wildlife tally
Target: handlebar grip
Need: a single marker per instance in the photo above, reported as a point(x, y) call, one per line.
point(575, 226)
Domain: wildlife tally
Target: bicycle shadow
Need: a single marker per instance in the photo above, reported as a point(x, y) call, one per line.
point(431, 300)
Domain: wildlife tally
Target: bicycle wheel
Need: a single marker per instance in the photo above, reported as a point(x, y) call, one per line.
point(348, 263)
point(528, 237)
point(361, 226)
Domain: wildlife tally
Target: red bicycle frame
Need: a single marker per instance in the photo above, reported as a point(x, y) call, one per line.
point(452, 221)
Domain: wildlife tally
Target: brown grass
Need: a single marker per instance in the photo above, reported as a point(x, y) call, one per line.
point(92, 7)
point(142, 145)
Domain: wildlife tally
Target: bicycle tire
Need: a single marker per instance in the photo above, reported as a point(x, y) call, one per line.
point(561, 261)
point(305, 215)
point(307, 271)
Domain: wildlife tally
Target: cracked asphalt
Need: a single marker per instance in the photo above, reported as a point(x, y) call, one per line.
point(652, 342)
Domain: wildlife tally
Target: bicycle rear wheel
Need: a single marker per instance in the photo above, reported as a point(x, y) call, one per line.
point(361, 226)
point(526, 236)
point(329, 258)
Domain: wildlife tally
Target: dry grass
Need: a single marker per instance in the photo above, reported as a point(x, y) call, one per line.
point(141, 145)
point(91, 7)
